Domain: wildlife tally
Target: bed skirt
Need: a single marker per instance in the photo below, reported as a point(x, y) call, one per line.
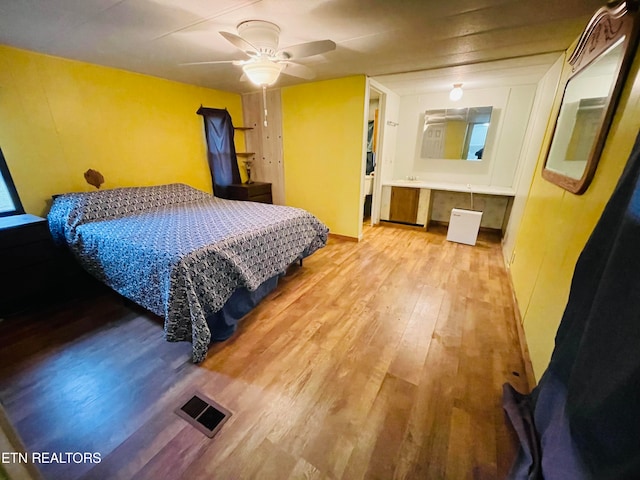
point(224, 322)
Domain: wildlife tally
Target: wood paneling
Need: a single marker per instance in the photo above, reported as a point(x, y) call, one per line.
point(266, 141)
point(378, 359)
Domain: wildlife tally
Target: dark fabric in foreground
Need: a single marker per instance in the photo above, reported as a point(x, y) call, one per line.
point(585, 408)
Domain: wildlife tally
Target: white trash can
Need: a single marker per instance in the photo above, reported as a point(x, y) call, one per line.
point(464, 226)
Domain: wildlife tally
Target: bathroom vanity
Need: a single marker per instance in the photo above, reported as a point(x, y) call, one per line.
point(417, 202)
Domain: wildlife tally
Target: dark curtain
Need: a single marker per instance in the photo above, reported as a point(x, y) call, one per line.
point(371, 156)
point(582, 420)
point(221, 150)
point(371, 162)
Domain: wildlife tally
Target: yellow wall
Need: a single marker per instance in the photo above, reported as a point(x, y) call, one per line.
point(59, 118)
point(323, 128)
point(556, 226)
point(454, 139)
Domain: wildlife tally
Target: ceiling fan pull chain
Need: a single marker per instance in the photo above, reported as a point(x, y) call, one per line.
point(264, 103)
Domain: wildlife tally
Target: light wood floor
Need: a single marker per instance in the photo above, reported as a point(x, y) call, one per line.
point(379, 359)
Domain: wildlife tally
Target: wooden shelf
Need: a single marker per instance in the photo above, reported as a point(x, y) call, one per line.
point(245, 154)
point(243, 128)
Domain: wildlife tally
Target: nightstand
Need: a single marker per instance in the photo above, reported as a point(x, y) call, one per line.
point(26, 261)
point(252, 192)
point(32, 269)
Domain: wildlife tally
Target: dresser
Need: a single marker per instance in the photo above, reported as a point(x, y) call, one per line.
point(252, 192)
point(32, 269)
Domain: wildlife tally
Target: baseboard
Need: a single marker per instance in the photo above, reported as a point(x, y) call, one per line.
point(522, 339)
point(342, 237)
point(401, 224)
point(482, 229)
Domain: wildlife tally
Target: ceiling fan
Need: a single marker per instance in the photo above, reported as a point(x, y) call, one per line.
point(258, 40)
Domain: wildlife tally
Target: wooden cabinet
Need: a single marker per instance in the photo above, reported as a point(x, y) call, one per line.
point(404, 205)
point(32, 269)
point(265, 140)
point(27, 261)
point(252, 192)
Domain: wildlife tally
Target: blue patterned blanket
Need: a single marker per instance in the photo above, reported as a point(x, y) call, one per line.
point(180, 252)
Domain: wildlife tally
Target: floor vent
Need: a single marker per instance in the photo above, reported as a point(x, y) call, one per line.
point(203, 413)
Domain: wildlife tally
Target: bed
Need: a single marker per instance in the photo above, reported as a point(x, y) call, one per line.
point(198, 261)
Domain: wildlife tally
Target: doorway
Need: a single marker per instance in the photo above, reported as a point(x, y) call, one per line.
point(372, 164)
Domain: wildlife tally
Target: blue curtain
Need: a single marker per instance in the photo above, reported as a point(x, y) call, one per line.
point(221, 150)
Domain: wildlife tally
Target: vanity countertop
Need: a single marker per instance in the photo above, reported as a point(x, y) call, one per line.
point(451, 187)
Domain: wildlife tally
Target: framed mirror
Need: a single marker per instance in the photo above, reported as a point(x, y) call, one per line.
point(455, 133)
point(599, 66)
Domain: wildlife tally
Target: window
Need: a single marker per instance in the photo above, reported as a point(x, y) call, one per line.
point(476, 138)
point(9, 200)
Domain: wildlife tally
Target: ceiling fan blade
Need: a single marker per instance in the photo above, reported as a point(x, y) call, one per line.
point(240, 42)
point(307, 49)
point(298, 70)
point(233, 62)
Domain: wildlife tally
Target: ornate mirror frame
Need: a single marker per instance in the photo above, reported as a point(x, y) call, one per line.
point(606, 28)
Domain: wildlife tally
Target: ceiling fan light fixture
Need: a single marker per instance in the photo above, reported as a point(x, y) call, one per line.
point(262, 35)
point(263, 72)
point(456, 92)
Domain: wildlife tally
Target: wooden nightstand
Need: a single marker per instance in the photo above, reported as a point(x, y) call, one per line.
point(252, 192)
point(26, 261)
point(33, 271)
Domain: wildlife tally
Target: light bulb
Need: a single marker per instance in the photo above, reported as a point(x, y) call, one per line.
point(263, 71)
point(456, 92)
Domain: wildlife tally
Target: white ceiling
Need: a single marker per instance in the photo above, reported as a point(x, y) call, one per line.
point(498, 73)
point(374, 37)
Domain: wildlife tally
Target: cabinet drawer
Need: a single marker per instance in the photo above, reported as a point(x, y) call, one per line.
point(259, 189)
point(266, 198)
point(255, 192)
point(25, 234)
point(19, 257)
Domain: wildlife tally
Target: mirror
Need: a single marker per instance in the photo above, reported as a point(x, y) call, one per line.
point(455, 133)
point(599, 65)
